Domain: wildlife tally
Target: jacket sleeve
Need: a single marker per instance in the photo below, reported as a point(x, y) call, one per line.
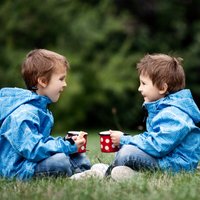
point(25, 138)
point(166, 132)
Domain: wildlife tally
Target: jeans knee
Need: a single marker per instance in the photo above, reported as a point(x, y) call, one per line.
point(135, 158)
point(80, 161)
point(56, 164)
point(123, 155)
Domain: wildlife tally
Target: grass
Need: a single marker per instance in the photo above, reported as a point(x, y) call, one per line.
point(144, 186)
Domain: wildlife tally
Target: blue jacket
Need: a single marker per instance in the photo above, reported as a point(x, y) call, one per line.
point(25, 127)
point(172, 136)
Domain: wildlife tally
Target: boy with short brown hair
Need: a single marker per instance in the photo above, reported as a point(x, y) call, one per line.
point(27, 149)
point(172, 139)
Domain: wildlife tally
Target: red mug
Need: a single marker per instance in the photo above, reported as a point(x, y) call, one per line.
point(81, 149)
point(106, 143)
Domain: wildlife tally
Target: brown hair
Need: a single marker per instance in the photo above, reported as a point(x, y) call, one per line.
point(162, 68)
point(41, 63)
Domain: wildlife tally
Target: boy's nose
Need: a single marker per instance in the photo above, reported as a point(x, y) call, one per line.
point(139, 89)
point(65, 84)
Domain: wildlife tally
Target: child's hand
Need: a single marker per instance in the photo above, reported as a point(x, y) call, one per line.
point(79, 140)
point(115, 137)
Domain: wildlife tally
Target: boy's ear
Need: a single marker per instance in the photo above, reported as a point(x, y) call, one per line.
point(42, 81)
point(163, 90)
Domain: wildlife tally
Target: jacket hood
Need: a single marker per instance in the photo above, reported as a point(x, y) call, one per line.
point(12, 98)
point(182, 99)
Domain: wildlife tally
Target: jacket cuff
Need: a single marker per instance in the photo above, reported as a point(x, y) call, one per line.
point(70, 140)
point(124, 139)
point(73, 148)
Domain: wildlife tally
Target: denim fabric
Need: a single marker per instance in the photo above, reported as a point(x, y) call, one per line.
point(135, 158)
point(172, 136)
point(61, 164)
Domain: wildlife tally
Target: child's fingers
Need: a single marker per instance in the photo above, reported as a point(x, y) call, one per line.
point(74, 137)
point(81, 134)
point(82, 141)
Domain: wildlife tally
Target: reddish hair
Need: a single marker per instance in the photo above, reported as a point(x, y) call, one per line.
point(41, 63)
point(162, 68)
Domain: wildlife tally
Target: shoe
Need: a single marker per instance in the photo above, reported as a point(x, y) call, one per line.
point(121, 173)
point(100, 167)
point(108, 171)
point(96, 171)
point(87, 174)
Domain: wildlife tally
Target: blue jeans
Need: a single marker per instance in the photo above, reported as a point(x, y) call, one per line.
point(60, 164)
point(135, 158)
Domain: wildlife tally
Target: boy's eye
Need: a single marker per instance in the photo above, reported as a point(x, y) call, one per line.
point(62, 78)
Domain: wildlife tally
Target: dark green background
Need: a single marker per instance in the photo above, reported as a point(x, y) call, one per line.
point(103, 40)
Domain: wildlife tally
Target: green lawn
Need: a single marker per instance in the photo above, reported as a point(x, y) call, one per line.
point(94, 150)
point(144, 186)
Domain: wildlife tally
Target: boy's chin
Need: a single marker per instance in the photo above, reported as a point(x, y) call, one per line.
point(54, 100)
point(146, 100)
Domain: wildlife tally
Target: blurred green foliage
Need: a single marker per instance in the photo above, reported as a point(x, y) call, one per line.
point(103, 40)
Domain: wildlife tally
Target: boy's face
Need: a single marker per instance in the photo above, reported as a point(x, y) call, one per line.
point(55, 86)
point(149, 91)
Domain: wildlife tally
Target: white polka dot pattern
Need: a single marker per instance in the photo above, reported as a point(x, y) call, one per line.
point(107, 141)
point(106, 144)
